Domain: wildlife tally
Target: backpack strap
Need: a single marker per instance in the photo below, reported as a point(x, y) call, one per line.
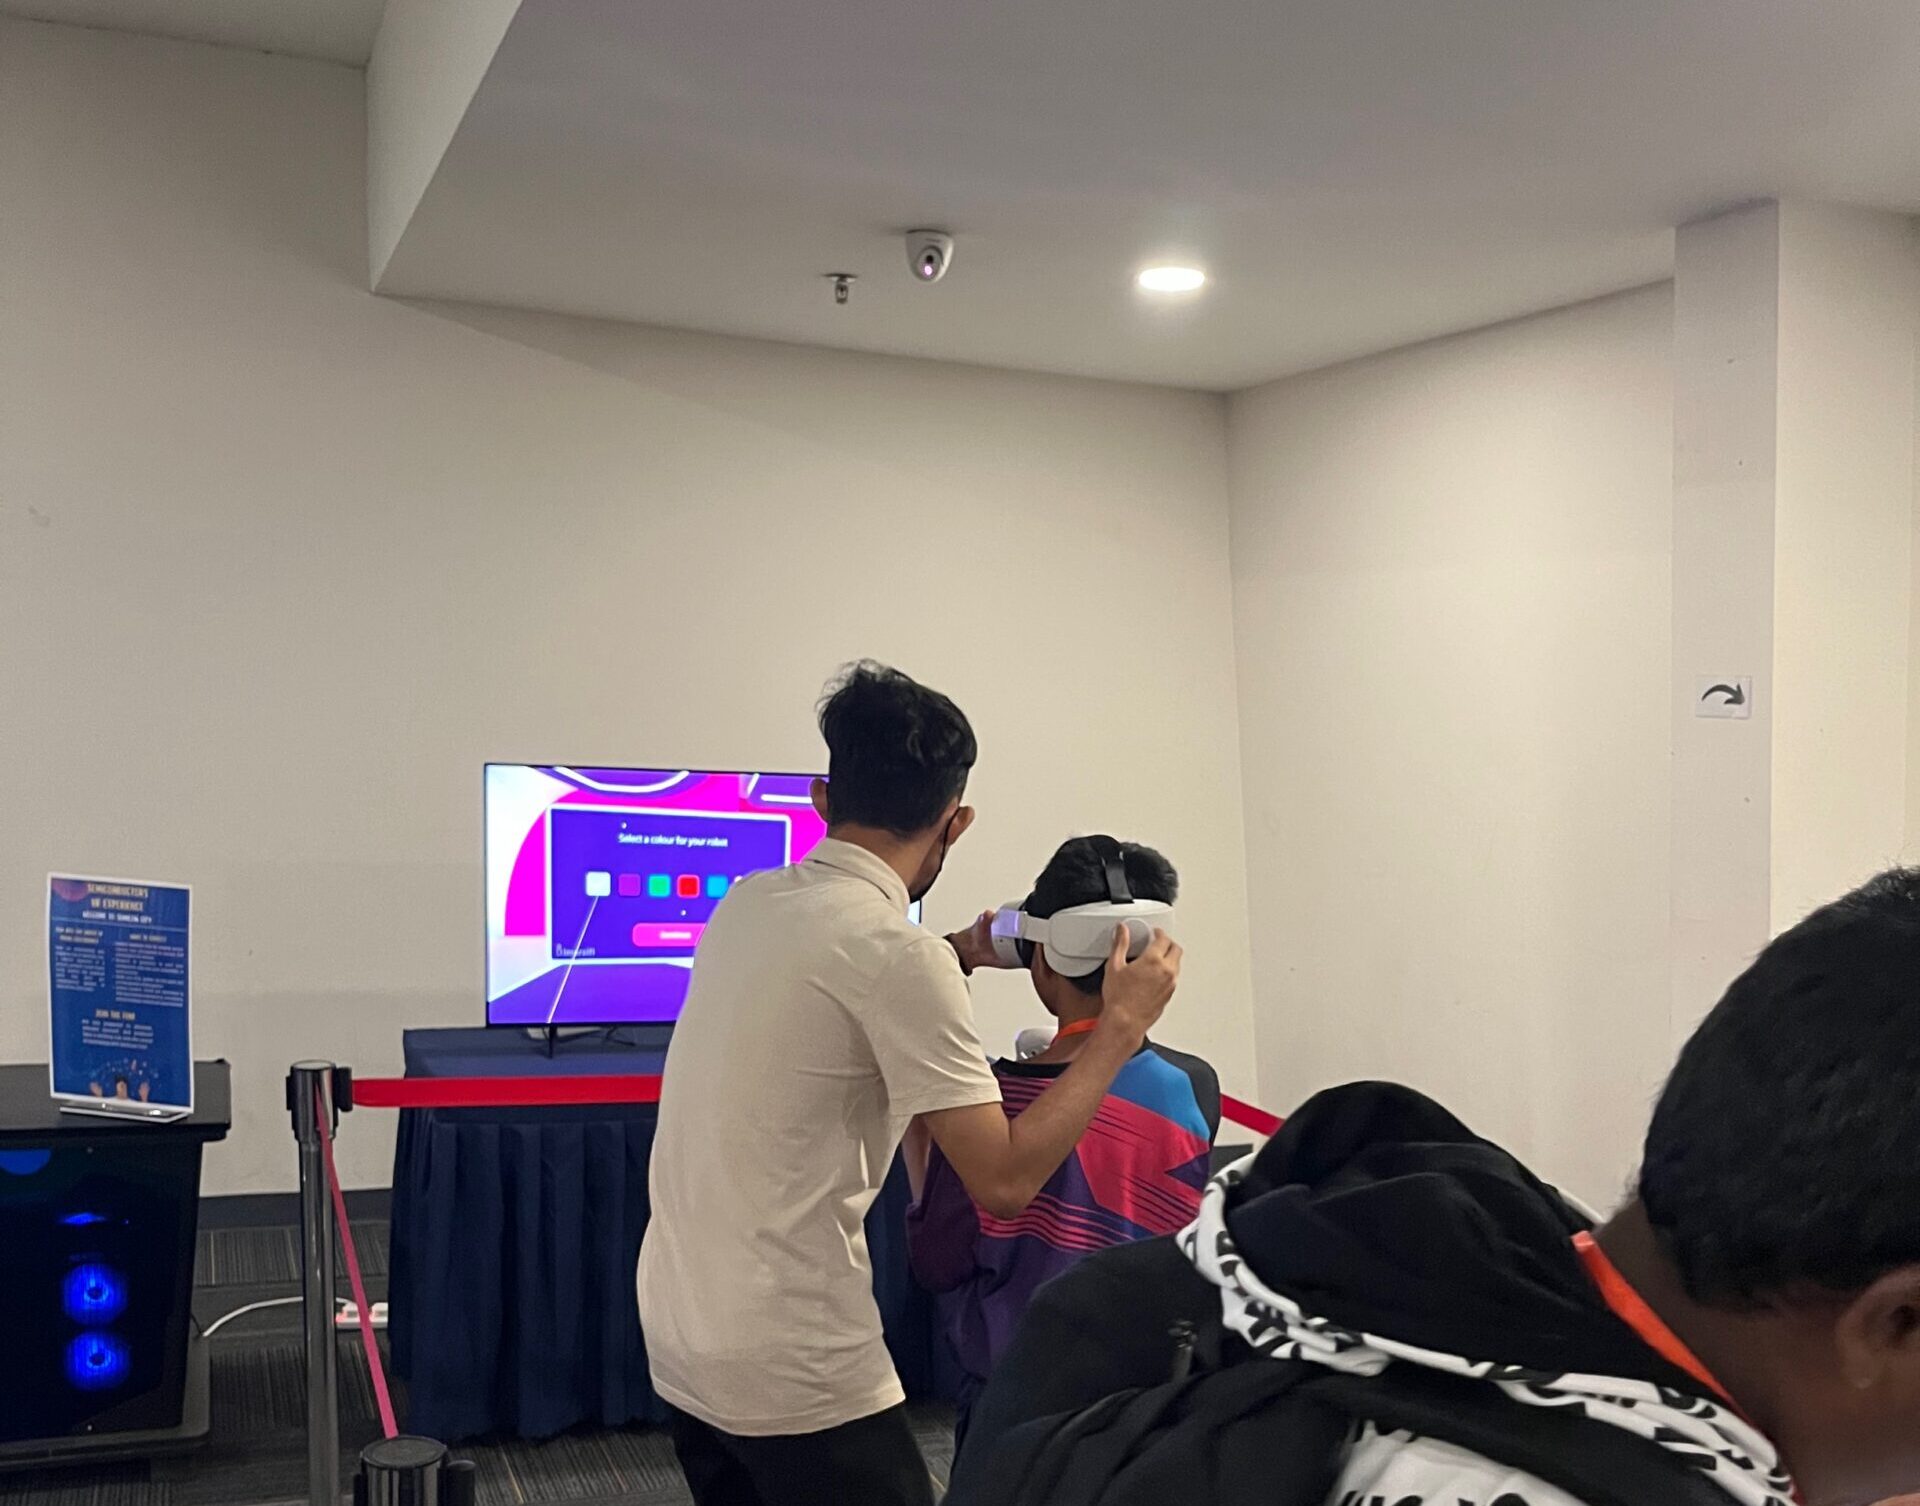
point(1592, 1461)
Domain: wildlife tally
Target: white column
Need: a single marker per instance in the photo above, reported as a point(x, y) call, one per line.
point(1725, 376)
point(1794, 415)
point(429, 59)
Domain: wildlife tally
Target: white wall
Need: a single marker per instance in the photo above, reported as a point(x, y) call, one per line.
point(1849, 310)
point(281, 563)
point(1451, 574)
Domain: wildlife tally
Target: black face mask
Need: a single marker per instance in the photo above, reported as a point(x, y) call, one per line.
point(946, 835)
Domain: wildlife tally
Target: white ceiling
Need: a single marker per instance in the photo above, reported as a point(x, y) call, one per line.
point(341, 31)
point(1356, 174)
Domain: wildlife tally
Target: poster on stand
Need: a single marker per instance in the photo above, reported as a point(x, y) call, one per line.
point(120, 1019)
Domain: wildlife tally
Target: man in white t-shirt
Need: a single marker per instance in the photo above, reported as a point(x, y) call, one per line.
point(819, 1023)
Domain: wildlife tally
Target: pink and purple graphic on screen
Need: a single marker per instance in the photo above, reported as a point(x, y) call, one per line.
point(600, 881)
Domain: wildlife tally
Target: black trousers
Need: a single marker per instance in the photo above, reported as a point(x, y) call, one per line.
point(870, 1462)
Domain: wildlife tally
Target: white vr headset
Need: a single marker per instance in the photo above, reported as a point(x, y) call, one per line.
point(1080, 938)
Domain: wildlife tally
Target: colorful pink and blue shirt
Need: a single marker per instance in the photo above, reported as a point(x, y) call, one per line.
point(1137, 1173)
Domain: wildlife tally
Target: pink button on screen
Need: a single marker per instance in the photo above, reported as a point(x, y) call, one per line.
point(653, 934)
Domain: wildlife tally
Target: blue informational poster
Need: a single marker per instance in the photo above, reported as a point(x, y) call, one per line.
point(117, 978)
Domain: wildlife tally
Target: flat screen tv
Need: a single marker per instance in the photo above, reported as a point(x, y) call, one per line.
point(600, 881)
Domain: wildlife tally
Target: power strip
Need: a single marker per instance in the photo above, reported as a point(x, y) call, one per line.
point(348, 1315)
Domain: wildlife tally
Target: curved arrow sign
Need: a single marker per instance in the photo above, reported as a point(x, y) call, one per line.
point(1728, 697)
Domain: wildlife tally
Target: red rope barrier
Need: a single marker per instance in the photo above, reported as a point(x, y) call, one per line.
point(539, 1092)
point(501, 1092)
point(1256, 1119)
point(375, 1369)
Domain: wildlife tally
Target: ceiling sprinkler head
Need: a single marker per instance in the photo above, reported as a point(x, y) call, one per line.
point(842, 285)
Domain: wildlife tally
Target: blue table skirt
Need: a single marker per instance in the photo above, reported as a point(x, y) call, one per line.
point(515, 1234)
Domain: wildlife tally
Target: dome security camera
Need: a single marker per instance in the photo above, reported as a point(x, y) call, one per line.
point(929, 254)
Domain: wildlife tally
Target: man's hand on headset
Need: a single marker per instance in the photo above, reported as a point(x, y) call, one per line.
point(974, 945)
point(1134, 994)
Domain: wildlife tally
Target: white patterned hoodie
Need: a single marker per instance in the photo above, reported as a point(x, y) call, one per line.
point(1375, 1234)
point(1398, 1467)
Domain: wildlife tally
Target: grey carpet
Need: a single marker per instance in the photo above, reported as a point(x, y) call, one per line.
point(257, 1453)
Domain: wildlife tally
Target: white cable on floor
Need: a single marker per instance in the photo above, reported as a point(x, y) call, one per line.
point(253, 1307)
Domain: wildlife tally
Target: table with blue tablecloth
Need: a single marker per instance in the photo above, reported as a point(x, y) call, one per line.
point(515, 1234)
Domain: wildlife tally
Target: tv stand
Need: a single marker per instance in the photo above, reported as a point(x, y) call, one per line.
point(549, 1035)
point(642, 1037)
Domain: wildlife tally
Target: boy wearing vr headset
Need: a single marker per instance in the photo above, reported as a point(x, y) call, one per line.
point(1139, 1169)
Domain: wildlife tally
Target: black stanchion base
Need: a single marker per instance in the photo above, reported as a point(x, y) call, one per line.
point(409, 1471)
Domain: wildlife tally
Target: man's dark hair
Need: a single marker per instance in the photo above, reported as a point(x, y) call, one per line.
point(897, 753)
point(1784, 1153)
point(1076, 874)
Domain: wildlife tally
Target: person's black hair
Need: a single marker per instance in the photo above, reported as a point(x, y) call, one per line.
point(1076, 874)
point(1784, 1154)
point(897, 753)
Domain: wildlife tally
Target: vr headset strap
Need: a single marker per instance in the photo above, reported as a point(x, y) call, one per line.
point(1115, 862)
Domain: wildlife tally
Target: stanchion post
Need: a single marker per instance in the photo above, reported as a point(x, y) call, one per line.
point(310, 1097)
point(408, 1471)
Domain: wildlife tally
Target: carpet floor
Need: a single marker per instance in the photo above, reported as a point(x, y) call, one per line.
point(257, 1453)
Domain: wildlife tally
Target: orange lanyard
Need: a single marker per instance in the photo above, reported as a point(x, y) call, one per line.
point(1632, 1309)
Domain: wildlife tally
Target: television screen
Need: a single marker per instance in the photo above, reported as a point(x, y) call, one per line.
point(600, 881)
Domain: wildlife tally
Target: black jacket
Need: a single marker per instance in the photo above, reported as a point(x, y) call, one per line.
point(1376, 1270)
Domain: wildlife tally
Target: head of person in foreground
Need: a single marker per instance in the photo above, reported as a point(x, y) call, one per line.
point(1780, 1193)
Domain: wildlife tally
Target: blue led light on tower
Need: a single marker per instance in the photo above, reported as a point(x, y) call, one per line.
point(94, 1293)
point(97, 1361)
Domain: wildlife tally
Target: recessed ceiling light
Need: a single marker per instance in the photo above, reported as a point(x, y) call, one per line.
point(1172, 279)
